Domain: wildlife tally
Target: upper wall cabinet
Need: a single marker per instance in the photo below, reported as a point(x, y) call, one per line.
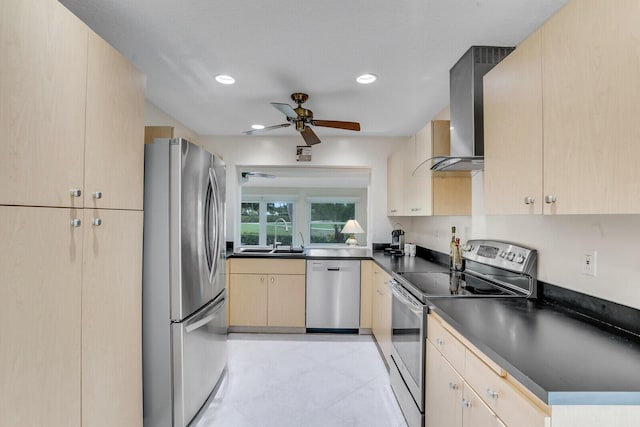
point(591, 107)
point(114, 141)
point(513, 132)
point(590, 94)
point(71, 111)
point(43, 78)
point(426, 193)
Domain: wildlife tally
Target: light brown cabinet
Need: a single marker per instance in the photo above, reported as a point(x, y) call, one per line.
point(40, 298)
point(267, 292)
point(381, 312)
point(513, 132)
point(42, 107)
point(486, 396)
point(366, 293)
point(71, 287)
point(112, 318)
point(426, 193)
point(561, 116)
point(114, 154)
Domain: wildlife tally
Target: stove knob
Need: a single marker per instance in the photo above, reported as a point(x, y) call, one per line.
point(519, 259)
point(468, 248)
point(510, 256)
point(502, 254)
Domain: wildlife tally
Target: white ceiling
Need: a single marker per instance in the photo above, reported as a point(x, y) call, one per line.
point(276, 47)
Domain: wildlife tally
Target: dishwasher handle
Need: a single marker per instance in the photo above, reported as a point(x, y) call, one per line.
point(333, 268)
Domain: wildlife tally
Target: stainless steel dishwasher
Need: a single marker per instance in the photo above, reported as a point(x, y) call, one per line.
point(333, 295)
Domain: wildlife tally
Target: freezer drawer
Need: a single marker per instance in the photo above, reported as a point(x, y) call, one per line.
point(199, 358)
point(333, 294)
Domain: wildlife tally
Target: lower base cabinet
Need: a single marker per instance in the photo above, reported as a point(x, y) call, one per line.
point(70, 298)
point(465, 389)
point(267, 292)
point(381, 312)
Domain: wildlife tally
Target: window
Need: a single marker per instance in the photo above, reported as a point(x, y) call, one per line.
point(263, 221)
point(327, 219)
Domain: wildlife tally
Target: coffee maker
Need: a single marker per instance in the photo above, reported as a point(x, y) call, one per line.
point(397, 242)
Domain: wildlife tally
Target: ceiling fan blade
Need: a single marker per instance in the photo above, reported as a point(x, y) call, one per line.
point(252, 131)
point(310, 137)
point(285, 109)
point(337, 124)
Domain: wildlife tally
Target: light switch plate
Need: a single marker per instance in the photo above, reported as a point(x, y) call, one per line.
point(589, 263)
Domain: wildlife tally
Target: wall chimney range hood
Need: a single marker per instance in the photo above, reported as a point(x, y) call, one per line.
point(465, 88)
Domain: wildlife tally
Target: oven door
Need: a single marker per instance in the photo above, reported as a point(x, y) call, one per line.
point(408, 335)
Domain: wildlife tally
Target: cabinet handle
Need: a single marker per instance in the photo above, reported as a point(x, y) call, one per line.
point(261, 279)
point(549, 199)
point(96, 221)
point(394, 210)
point(75, 192)
point(528, 200)
point(439, 341)
point(453, 386)
point(492, 394)
point(76, 222)
point(273, 279)
point(97, 195)
point(466, 403)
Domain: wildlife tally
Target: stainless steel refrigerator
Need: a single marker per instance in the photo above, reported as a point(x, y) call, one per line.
point(184, 335)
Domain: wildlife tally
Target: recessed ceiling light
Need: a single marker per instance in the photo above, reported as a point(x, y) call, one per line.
point(366, 79)
point(225, 80)
point(257, 127)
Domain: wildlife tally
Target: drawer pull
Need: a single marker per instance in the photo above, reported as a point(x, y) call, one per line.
point(453, 386)
point(492, 394)
point(439, 341)
point(466, 403)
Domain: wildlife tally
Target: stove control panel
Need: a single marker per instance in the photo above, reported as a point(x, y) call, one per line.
point(502, 254)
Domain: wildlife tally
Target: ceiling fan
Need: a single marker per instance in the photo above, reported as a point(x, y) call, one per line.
point(303, 119)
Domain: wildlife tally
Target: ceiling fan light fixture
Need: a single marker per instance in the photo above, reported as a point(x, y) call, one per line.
point(225, 79)
point(257, 127)
point(366, 79)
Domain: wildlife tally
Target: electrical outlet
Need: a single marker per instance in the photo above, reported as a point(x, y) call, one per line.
point(589, 263)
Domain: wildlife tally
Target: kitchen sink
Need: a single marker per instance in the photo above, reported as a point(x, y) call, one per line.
point(269, 250)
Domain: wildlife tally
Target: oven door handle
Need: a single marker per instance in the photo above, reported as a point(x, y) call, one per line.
point(414, 307)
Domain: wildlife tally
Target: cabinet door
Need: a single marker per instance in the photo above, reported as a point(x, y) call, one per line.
point(591, 106)
point(286, 300)
point(381, 313)
point(366, 293)
point(112, 319)
point(513, 132)
point(443, 394)
point(40, 275)
point(247, 300)
point(395, 183)
point(417, 189)
point(114, 153)
point(475, 413)
point(43, 69)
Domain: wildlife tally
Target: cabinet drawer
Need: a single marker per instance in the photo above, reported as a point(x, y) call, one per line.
point(511, 405)
point(267, 266)
point(446, 343)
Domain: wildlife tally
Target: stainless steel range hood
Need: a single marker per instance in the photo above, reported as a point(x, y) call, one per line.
point(467, 130)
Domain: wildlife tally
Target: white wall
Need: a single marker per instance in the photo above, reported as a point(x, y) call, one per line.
point(351, 151)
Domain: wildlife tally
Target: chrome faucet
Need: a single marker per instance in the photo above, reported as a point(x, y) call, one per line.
point(301, 239)
point(275, 231)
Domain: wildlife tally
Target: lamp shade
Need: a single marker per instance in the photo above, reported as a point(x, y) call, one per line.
point(352, 227)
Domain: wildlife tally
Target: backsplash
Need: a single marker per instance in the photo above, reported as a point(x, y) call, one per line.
point(561, 241)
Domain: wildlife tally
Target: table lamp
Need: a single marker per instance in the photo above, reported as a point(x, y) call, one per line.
point(352, 227)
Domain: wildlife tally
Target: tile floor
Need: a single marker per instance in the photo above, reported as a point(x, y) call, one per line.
point(303, 381)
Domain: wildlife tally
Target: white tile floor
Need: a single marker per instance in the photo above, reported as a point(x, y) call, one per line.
point(303, 381)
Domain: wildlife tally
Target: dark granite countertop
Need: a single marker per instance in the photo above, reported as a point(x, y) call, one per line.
point(404, 264)
point(561, 356)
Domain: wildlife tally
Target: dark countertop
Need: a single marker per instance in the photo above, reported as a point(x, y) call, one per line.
point(561, 356)
point(393, 264)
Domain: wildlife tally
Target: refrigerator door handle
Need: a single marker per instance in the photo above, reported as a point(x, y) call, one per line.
point(213, 245)
point(197, 324)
